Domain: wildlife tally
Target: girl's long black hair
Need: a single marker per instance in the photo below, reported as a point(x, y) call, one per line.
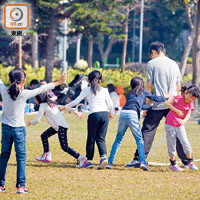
point(45, 98)
point(94, 78)
point(137, 86)
point(16, 76)
point(193, 90)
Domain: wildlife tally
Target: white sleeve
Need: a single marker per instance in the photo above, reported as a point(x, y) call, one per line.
point(109, 101)
point(82, 95)
point(39, 115)
point(2, 86)
point(35, 92)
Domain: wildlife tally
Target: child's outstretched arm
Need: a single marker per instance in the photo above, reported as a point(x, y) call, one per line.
point(61, 80)
point(78, 114)
point(169, 103)
point(38, 117)
point(71, 110)
point(75, 102)
point(44, 88)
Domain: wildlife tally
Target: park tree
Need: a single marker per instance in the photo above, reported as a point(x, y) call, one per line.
point(93, 19)
point(190, 7)
point(47, 14)
point(47, 17)
point(125, 8)
point(196, 48)
point(194, 37)
point(120, 33)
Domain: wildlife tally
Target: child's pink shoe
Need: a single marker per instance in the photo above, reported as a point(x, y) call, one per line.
point(2, 189)
point(175, 168)
point(193, 166)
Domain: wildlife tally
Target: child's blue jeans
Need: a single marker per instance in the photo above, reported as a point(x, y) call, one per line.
point(18, 136)
point(126, 120)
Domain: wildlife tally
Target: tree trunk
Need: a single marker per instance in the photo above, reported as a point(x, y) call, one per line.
point(107, 51)
point(187, 50)
point(90, 51)
point(196, 49)
point(34, 50)
point(125, 41)
point(51, 42)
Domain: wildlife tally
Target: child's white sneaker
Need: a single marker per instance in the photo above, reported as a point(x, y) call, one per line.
point(81, 161)
point(175, 168)
point(193, 166)
point(46, 157)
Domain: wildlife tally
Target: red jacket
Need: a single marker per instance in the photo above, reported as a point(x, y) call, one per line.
point(122, 98)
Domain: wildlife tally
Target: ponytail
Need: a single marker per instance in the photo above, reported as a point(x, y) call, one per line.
point(16, 76)
point(94, 86)
point(13, 91)
point(94, 78)
point(193, 90)
point(183, 89)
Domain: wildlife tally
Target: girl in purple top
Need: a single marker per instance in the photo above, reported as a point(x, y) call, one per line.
point(180, 111)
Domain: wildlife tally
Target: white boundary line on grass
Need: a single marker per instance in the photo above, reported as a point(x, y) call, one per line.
point(165, 164)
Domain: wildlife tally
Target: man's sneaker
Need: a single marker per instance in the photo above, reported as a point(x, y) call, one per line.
point(134, 163)
point(21, 190)
point(2, 189)
point(103, 163)
point(144, 166)
point(80, 161)
point(175, 168)
point(46, 157)
point(87, 165)
point(193, 166)
point(109, 165)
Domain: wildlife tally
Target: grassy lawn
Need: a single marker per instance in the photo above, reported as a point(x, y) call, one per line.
point(61, 180)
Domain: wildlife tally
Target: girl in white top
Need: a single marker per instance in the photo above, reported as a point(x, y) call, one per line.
point(100, 105)
point(48, 108)
point(13, 125)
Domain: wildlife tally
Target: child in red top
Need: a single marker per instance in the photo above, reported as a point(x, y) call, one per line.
point(180, 111)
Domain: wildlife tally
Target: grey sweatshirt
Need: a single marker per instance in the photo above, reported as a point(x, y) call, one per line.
point(13, 111)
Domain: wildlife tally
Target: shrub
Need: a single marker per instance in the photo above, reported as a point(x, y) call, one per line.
point(31, 73)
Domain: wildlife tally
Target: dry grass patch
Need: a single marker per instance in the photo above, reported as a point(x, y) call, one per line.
point(61, 180)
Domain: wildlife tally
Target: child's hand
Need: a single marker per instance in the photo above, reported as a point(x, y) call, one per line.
point(144, 113)
point(62, 78)
point(28, 123)
point(180, 113)
point(110, 115)
point(167, 96)
point(61, 108)
point(181, 121)
point(78, 114)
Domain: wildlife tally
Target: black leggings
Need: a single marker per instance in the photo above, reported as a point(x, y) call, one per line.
point(62, 135)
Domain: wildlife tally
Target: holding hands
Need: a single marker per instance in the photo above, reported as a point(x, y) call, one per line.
point(28, 123)
point(76, 113)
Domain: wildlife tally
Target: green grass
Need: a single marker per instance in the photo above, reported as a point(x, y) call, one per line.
point(61, 180)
